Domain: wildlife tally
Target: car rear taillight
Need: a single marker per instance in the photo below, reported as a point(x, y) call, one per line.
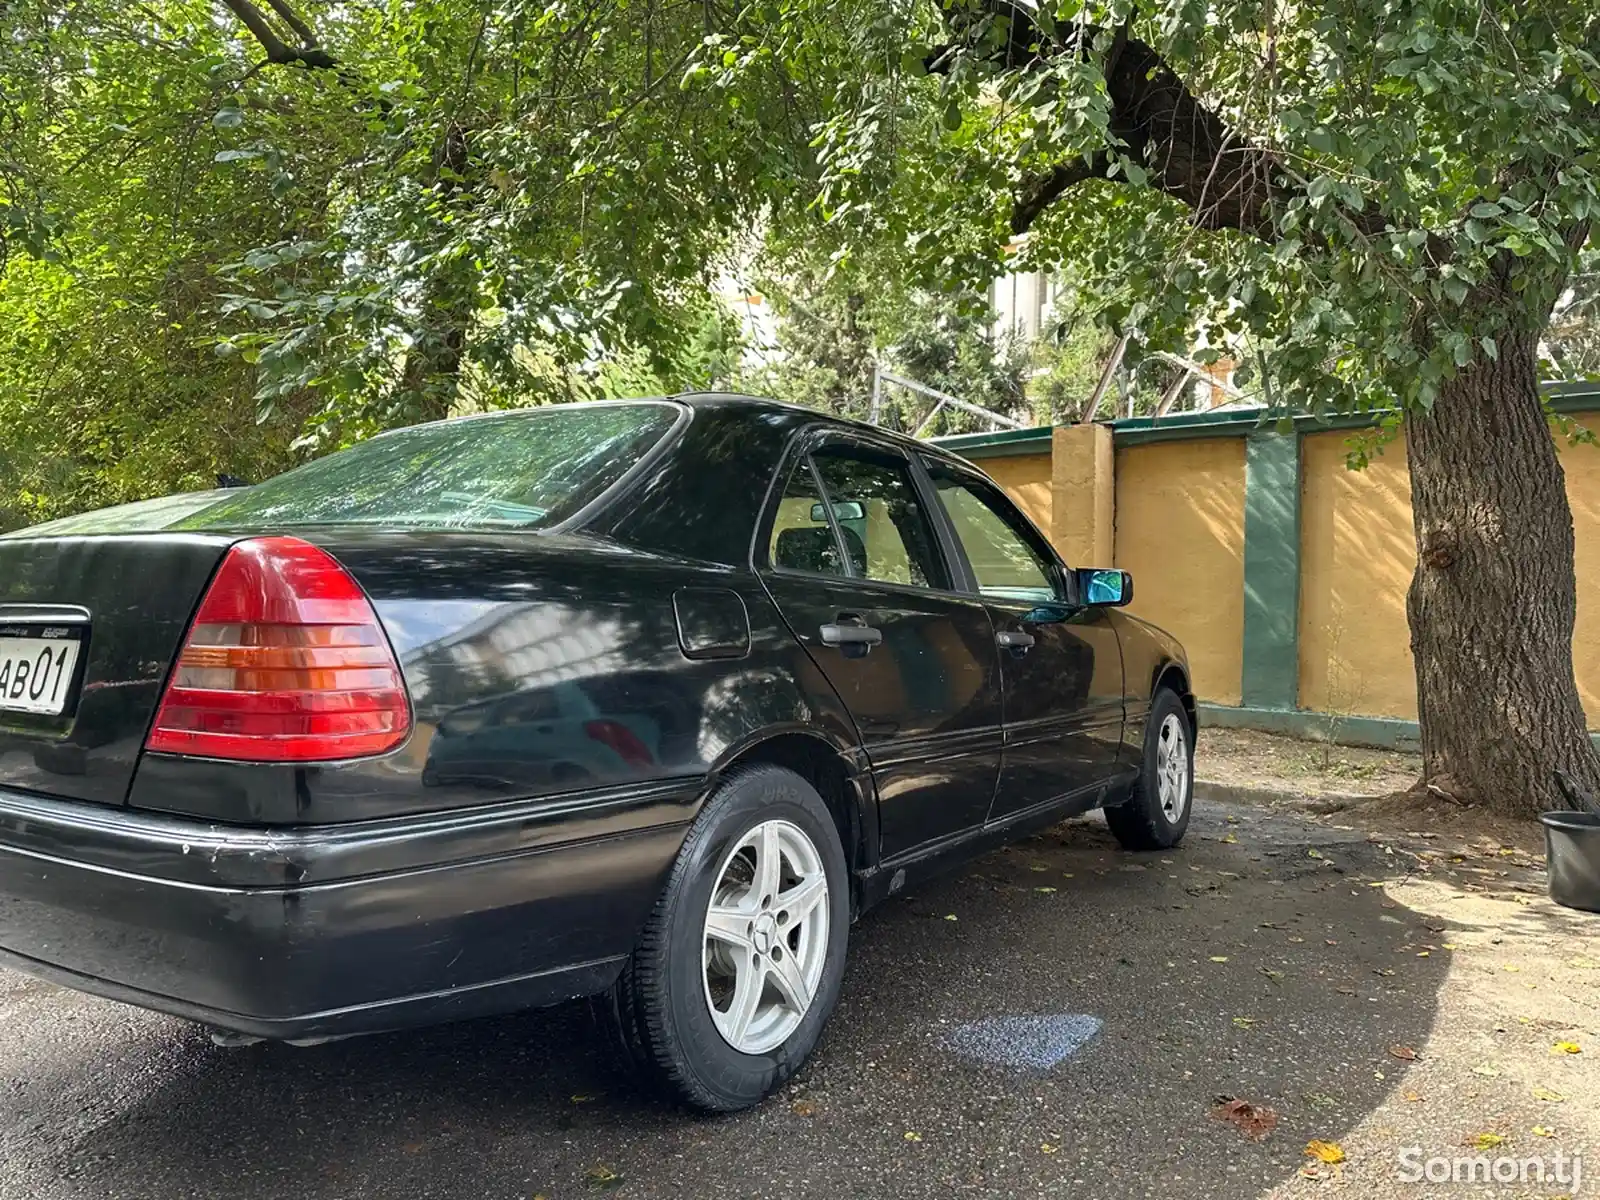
point(285, 662)
point(622, 741)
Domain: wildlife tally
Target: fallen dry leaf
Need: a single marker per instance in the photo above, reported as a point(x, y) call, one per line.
point(803, 1108)
point(1543, 1131)
point(1403, 1053)
point(912, 1135)
point(1549, 1097)
point(1045, 890)
point(603, 1177)
point(1219, 958)
point(1488, 1141)
point(951, 917)
point(1048, 1147)
point(1328, 1152)
point(1412, 1097)
point(1566, 1048)
point(1255, 1121)
point(1487, 1070)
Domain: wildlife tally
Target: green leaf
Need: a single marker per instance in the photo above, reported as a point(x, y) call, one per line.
point(952, 115)
point(228, 118)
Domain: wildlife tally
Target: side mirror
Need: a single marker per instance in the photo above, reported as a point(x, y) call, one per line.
point(1098, 586)
point(845, 510)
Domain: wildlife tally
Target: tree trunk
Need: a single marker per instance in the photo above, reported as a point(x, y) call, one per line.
point(1494, 598)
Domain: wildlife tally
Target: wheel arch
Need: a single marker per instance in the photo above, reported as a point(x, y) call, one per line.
point(830, 767)
point(1174, 676)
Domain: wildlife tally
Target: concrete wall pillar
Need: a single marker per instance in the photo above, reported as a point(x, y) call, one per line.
point(1083, 494)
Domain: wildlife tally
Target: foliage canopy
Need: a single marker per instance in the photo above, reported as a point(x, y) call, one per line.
point(235, 231)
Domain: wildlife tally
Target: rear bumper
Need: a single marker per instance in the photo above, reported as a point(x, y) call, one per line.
point(323, 932)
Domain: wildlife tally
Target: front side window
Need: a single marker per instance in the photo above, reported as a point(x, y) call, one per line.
point(1003, 557)
point(527, 469)
point(885, 528)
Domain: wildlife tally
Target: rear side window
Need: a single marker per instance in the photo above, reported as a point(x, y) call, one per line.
point(886, 530)
point(527, 469)
point(802, 539)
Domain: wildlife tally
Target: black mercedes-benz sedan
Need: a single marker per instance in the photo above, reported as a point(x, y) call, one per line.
point(645, 701)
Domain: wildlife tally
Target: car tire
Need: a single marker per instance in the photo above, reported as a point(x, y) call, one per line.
point(1156, 815)
point(680, 1012)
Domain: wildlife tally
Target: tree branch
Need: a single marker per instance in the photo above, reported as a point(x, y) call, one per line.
point(293, 20)
point(279, 51)
point(1045, 190)
point(1190, 152)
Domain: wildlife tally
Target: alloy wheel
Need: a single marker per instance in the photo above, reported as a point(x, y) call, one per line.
point(766, 936)
point(1172, 767)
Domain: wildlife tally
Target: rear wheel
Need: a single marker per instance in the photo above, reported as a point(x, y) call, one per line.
point(740, 963)
point(1157, 814)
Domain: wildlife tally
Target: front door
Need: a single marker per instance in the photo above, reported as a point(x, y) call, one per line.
point(1061, 663)
point(855, 565)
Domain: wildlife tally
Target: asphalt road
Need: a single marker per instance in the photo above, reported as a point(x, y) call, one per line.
point(1254, 962)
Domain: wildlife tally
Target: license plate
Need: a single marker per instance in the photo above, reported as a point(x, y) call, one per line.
point(36, 673)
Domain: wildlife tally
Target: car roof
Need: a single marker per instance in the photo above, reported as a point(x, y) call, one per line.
point(739, 400)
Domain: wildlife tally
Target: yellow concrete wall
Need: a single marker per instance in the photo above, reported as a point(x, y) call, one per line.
point(1026, 479)
point(1357, 554)
point(1180, 531)
point(1582, 467)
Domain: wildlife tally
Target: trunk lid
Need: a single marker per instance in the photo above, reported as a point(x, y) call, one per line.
point(127, 600)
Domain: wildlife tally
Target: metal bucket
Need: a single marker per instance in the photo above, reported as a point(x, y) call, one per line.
point(1572, 845)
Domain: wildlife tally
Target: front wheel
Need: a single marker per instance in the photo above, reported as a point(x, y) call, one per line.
point(741, 961)
point(1157, 814)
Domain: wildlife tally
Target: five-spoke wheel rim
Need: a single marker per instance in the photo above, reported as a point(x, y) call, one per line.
point(1172, 767)
point(766, 936)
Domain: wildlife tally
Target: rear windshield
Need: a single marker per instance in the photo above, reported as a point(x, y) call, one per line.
point(526, 469)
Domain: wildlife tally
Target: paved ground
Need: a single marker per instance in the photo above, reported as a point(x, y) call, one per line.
point(1270, 959)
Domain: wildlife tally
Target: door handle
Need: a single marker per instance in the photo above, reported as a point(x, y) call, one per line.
point(1014, 639)
point(850, 634)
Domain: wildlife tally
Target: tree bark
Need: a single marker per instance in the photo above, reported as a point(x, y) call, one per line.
point(1494, 598)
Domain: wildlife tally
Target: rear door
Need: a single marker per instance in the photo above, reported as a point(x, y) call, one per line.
point(1061, 663)
point(854, 561)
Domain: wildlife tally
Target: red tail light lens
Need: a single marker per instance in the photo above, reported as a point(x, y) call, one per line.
point(621, 740)
point(285, 662)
